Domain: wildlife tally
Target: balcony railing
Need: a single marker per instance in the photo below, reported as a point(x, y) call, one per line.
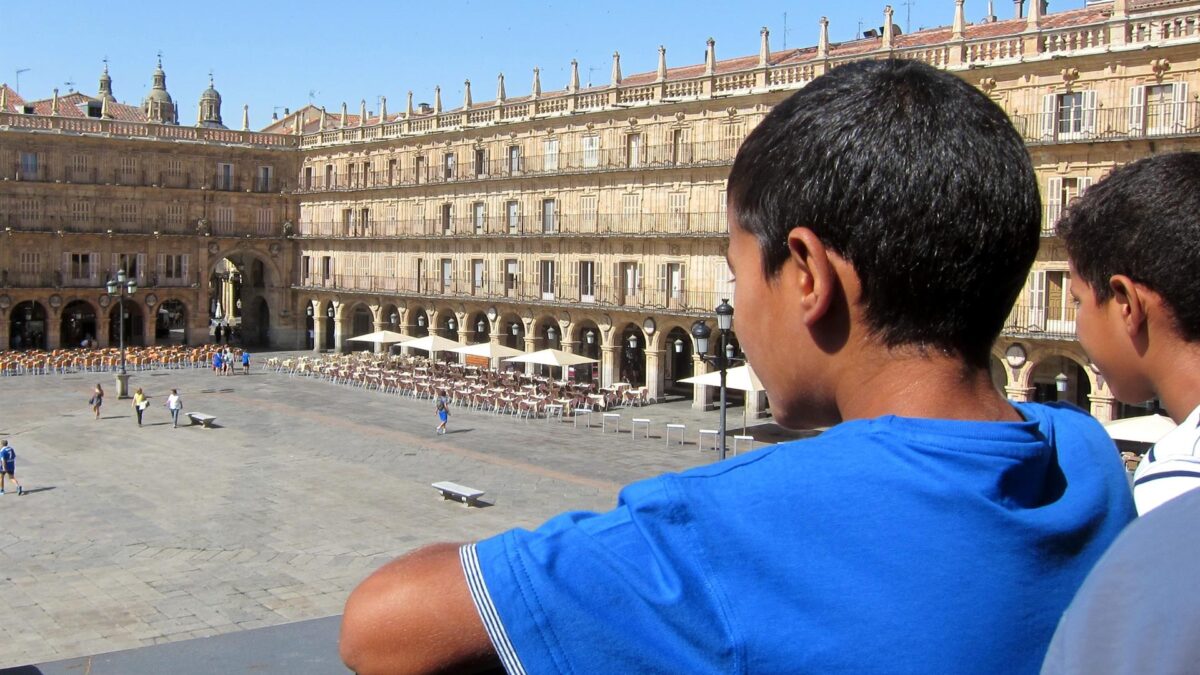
point(47, 172)
point(664, 156)
point(598, 293)
point(1111, 124)
point(1051, 323)
point(57, 279)
point(168, 132)
point(126, 225)
point(701, 223)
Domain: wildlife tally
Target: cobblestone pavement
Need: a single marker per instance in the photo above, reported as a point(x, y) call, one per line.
point(133, 536)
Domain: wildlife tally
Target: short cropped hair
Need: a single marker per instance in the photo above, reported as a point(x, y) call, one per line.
point(915, 178)
point(1143, 221)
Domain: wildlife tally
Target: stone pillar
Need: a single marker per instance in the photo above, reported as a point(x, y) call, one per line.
point(54, 332)
point(1103, 407)
point(530, 346)
point(1018, 393)
point(702, 396)
point(655, 372)
point(378, 326)
point(756, 403)
point(318, 330)
point(149, 322)
point(608, 365)
point(5, 318)
point(339, 330)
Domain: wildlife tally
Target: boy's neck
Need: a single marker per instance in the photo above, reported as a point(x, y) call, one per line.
point(891, 382)
point(1178, 386)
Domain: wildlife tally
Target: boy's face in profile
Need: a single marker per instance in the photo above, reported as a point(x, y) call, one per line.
point(1104, 336)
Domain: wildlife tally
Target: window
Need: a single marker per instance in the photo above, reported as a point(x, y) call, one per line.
point(31, 263)
point(512, 276)
point(588, 206)
point(262, 181)
point(547, 278)
point(1060, 192)
point(550, 154)
point(420, 274)
point(514, 159)
point(348, 225)
point(174, 167)
point(129, 168)
point(419, 169)
point(224, 220)
point(447, 275)
point(631, 208)
point(448, 166)
point(1069, 115)
point(364, 271)
point(224, 176)
point(79, 163)
point(681, 149)
point(353, 175)
point(633, 150)
point(175, 214)
point(305, 268)
point(174, 267)
point(480, 162)
point(670, 283)
point(81, 212)
point(81, 266)
point(1050, 304)
point(134, 264)
point(30, 210)
point(587, 281)
point(512, 216)
point(29, 166)
point(477, 276)
point(549, 215)
point(731, 138)
point(477, 217)
point(391, 171)
point(629, 281)
point(308, 178)
point(591, 151)
point(364, 222)
point(1161, 108)
point(677, 207)
point(447, 214)
point(366, 173)
point(263, 218)
point(127, 213)
point(330, 176)
point(326, 268)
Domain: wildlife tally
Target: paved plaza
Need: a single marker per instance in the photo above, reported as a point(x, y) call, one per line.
point(130, 537)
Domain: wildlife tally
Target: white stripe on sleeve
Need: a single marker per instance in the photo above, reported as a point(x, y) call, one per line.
point(487, 610)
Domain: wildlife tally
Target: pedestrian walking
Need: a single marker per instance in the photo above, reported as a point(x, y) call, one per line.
point(8, 467)
point(217, 362)
point(245, 362)
point(443, 412)
point(140, 403)
point(174, 404)
point(97, 399)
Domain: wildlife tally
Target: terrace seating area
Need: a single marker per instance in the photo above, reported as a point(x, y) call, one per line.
point(88, 360)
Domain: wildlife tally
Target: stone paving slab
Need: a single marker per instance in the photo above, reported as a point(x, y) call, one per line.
point(131, 537)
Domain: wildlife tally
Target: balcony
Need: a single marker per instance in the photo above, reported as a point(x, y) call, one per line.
point(460, 287)
point(57, 279)
point(46, 172)
point(664, 156)
point(682, 224)
point(1111, 124)
point(125, 225)
point(1047, 323)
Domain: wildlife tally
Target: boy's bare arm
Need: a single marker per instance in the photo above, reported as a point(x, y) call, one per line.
point(416, 615)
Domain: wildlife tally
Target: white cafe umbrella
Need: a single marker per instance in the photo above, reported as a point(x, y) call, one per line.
point(551, 357)
point(432, 343)
point(741, 378)
point(488, 349)
point(1144, 429)
point(381, 337)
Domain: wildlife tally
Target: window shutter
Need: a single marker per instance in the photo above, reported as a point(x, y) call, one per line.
point(160, 265)
point(183, 267)
point(1089, 113)
point(573, 278)
point(1049, 115)
point(1137, 108)
point(66, 267)
point(557, 276)
point(1053, 202)
point(1084, 183)
point(1037, 299)
point(116, 264)
point(94, 258)
point(662, 277)
point(682, 278)
point(1179, 97)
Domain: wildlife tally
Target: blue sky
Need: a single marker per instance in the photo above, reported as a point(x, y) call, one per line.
point(272, 55)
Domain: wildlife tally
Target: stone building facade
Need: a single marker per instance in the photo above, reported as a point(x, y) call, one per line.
point(585, 218)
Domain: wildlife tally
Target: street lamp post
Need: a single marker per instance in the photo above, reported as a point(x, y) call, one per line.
point(120, 288)
point(721, 360)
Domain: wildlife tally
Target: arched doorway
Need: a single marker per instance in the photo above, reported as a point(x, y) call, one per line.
point(479, 328)
point(1059, 378)
point(78, 323)
point(679, 363)
point(310, 336)
point(514, 333)
point(361, 322)
point(327, 338)
point(133, 323)
point(450, 326)
point(261, 325)
point(633, 356)
point(170, 323)
point(589, 338)
point(27, 326)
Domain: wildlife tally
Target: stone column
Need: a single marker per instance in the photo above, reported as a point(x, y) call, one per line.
point(756, 403)
point(1103, 407)
point(608, 365)
point(318, 330)
point(54, 331)
point(149, 321)
point(339, 332)
point(1018, 393)
point(5, 318)
point(378, 326)
point(530, 346)
point(702, 396)
point(655, 375)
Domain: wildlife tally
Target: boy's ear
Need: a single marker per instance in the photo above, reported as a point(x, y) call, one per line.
point(1129, 300)
point(815, 279)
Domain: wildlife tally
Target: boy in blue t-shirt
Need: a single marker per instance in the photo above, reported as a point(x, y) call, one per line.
point(8, 467)
point(883, 220)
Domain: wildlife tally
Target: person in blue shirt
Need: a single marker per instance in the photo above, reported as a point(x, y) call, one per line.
point(8, 467)
point(883, 220)
point(245, 362)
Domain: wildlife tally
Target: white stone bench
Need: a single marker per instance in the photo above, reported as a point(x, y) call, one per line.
point(468, 496)
point(682, 428)
point(202, 419)
point(742, 440)
point(709, 433)
point(614, 417)
point(642, 422)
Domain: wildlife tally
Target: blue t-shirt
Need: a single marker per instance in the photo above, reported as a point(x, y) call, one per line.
point(890, 545)
point(8, 459)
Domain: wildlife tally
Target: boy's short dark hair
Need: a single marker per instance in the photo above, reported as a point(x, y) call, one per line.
point(915, 178)
point(1143, 221)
